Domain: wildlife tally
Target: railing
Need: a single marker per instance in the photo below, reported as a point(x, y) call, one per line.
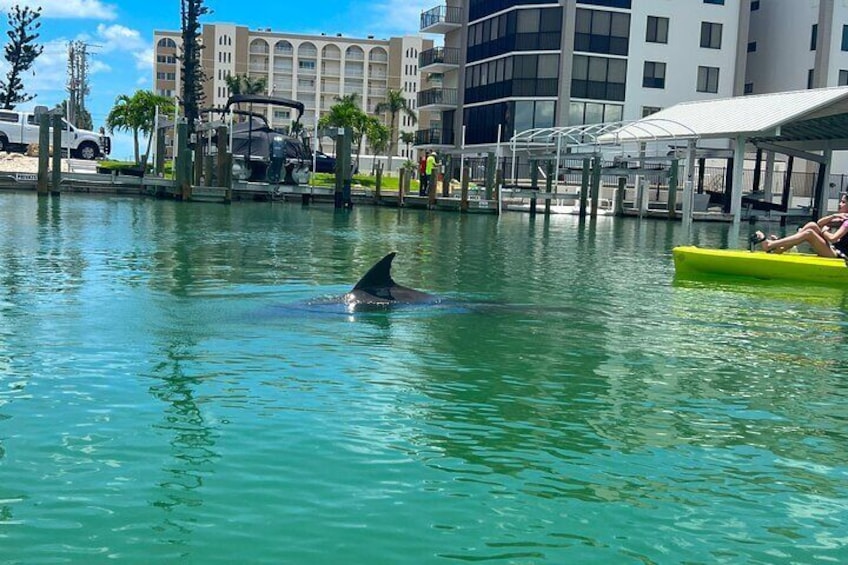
point(441, 14)
point(375, 58)
point(439, 55)
point(434, 136)
point(437, 96)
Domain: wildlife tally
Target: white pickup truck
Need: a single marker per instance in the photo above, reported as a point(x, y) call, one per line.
point(20, 129)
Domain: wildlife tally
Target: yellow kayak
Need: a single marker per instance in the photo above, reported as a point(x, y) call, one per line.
point(769, 266)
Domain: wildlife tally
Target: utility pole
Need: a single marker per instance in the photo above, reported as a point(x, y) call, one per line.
point(78, 85)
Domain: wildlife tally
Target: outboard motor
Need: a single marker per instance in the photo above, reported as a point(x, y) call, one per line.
point(278, 157)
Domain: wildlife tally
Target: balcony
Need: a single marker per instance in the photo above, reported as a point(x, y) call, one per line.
point(441, 19)
point(437, 99)
point(434, 137)
point(439, 60)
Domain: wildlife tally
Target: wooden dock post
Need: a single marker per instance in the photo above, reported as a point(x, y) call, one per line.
point(596, 185)
point(491, 165)
point(672, 188)
point(446, 177)
point(378, 183)
point(401, 186)
point(344, 170)
point(224, 170)
point(463, 198)
point(43, 154)
point(57, 155)
point(549, 186)
point(160, 152)
point(534, 186)
point(585, 181)
point(183, 169)
point(619, 196)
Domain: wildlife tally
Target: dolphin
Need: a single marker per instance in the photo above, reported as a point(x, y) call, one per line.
point(378, 289)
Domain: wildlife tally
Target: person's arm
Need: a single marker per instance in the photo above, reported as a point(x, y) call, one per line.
point(834, 236)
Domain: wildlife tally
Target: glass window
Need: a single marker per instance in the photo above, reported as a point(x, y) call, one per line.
point(523, 115)
point(843, 78)
point(525, 66)
point(583, 21)
point(708, 79)
point(654, 75)
point(755, 5)
point(810, 78)
point(845, 38)
point(594, 113)
point(617, 70)
point(719, 2)
point(601, 23)
point(711, 35)
point(528, 21)
point(814, 34)
point(648, 110)
point(752, 46)
point(580, 67)
point(613, 113)
point(545, 113)
point(657, 30)
point(548, 66)
point(749, 88)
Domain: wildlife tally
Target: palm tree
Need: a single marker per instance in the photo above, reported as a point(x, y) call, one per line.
point(378, 137)
point(137, 113)
point(395, 103)
point(346, 113)
point(407, 138)
point(243, 84)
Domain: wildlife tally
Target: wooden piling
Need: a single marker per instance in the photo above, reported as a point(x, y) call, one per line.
point(43, 155)
point(160, 152)
point(534, 186)
point(56, 170)
point(596, 185)
point(224, 171)
point(619, 196)
point(378, 183)
point(672, 188)
point(491, 165)
point(549, 186)
point(463, 199)
point(401, 186)
point(585, 182)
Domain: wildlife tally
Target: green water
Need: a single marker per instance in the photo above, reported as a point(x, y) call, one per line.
point(165, 396)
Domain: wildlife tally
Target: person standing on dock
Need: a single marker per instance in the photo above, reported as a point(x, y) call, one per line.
point(429, 172)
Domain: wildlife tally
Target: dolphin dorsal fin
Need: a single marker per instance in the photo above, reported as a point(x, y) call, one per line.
point(378, 276)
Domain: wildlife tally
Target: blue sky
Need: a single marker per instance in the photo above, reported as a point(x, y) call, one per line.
point(121, 35)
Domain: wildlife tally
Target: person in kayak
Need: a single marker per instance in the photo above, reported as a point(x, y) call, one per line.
point(828, 237)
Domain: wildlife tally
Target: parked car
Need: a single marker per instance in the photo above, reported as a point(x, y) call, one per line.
point(324, 163)
point(20, 129)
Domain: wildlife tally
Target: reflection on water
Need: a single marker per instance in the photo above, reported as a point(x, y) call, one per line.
point(163, 390)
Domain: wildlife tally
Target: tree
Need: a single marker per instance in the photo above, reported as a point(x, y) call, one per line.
point(346, 113)
point(137, 114)
point(21, 52)
point(407, 138)
point(192, 71)
point(379, 136)
point(243, 84)
point(395, 103)
point(83, 117)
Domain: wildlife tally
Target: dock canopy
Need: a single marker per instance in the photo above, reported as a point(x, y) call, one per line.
point(812, 120)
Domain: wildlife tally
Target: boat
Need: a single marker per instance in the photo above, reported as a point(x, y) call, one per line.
point(803, 267)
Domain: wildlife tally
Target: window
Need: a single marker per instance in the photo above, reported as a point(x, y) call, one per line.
point(845, 38)
point(749, 88)
point(810, 77)
point(708, 79)
point(814, 34)
point(597, 31)
point(755, 5)
point(648, 110)
point(598, 78)
point(594, 113)
point(657, 30)
point(843, 78)
point(10, 117)
point(719, 2)
point(306, 65)
point(711, 35)
point(752, 46)
point(654, 76)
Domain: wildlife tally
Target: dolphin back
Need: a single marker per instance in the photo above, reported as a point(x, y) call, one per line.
point(379, 276)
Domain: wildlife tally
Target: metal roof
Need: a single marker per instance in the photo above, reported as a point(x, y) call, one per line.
point(803, 115)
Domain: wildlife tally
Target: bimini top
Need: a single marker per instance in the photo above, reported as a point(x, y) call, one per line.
point(803, 115)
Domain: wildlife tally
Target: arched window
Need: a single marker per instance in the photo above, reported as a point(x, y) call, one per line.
point(378, 55)
point(283, 47)
point(355, 53)
point(167, 43)
point(331, 52)
point(307, 50)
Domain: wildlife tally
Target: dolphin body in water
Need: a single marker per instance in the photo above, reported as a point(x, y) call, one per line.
point(378, 290)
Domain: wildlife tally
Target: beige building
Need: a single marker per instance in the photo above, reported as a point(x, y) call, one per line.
point(313, 69)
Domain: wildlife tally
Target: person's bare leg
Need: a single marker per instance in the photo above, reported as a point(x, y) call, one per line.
point(816, 241)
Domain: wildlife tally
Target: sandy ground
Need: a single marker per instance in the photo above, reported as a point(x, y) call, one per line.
point(20, 163)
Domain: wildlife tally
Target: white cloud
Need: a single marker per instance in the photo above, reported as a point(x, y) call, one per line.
point(68, 9)
point(116, 37)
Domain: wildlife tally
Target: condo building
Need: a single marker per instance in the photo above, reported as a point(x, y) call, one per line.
point(313, 69)
point(511, 65)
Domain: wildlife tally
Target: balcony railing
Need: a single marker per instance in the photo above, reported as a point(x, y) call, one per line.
point(441, 19)
point(441, 56)
point(443, 97)
point(434, 136)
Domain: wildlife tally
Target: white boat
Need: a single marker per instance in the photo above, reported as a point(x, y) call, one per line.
point(606, 206)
